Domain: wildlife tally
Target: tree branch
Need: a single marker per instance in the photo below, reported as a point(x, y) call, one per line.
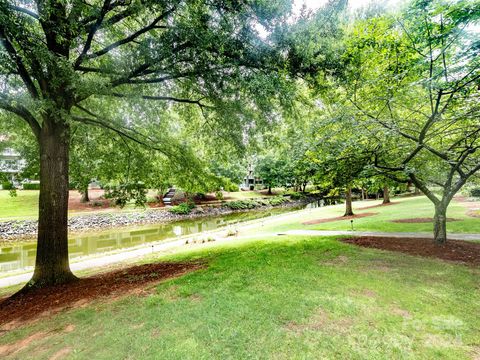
point(22, 70)
point(22, 112)
point(128, 39)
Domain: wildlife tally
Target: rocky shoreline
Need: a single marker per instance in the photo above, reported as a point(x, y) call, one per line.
point(26, 229)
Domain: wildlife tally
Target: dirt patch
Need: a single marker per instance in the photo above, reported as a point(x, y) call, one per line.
point(338, 218)
point(321, 321)
point(29, 306)
point(377, 206)
point(454, 250)
point(365, 292)
point(339, 260)
point(401, 312)
point(11, 349)
point(420, 220)
point(97, 201)
point(472, 206)
point(473, 213)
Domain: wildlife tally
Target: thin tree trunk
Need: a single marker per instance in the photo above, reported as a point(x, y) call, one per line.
point(52, 264)
point(363, 194)
point(85, 198)
point(386, 195)
point(440, 224)
point(348, 202)
point(269, 190)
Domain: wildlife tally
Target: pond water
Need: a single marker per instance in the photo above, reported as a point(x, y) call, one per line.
point(22, 256)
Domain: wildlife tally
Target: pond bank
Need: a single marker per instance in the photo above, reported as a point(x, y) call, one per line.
point(25, 230)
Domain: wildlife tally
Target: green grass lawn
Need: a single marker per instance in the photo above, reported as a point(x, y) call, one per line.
point(405, 208)
point(24, 205)
point(279, 298)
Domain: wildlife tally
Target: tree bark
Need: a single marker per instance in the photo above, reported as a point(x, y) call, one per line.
point(52, 263)
point(348, 202)
point(440, 224)
point(85, 198)
point(386, 195)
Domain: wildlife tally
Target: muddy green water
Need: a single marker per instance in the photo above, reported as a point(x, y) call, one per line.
point(22, 256)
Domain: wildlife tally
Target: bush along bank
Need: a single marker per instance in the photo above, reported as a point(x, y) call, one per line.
point(27, 229)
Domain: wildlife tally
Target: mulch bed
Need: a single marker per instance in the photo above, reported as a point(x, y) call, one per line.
point(321, 221)
point(454, 250)
point(29, 306)
point(377, 206)
point(419, 220)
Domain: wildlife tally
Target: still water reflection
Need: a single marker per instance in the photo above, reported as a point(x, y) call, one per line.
point(22, 256)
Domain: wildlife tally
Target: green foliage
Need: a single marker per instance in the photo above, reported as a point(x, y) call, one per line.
point(277, 200)
point(230, 186)
point(31, 186)
point(475, 192)
point(241, 204)
point(252, 204)
point(7, 185)
point(295, 195)
point(182, 209)
point(219, 195)
point(124, 193)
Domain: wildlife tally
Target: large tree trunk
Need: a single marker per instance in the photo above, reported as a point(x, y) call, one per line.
point(440, 224)
point(52, 264)
point(386, 195)
point(348, 202)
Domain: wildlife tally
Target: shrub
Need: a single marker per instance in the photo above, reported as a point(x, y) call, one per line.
point(219, 195)
point(31, 186)
point(241, 204)
point(231, 187)
point(152, 199)
point(7, 185)
point(182, 209)
point(294, 195)
point(277, 200)
point(475, 192)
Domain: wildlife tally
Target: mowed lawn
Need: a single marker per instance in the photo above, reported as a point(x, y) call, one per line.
point(24, 205)
point(277, 298)
point(403, 208)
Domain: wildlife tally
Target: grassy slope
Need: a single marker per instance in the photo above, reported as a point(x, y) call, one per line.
point(406, 208)
point(24, 205)
point(281, 298)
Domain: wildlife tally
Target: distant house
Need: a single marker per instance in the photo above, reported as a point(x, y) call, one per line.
point(250, 181)
point(11, 164)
